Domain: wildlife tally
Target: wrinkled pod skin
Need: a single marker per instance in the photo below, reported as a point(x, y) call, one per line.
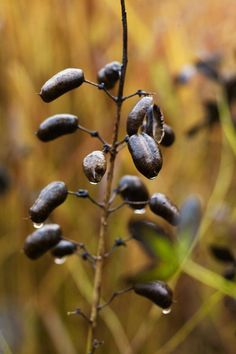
point(162, 206)
point(157, 291)
point(137, 114)
point(109, 74)
point(42, 240)
point(155, 123)
point(131, 188)
point(49, 198)
point(94, 166)
point(56, 126)
point(60, 83)
point(146, 154)
point(64, 248)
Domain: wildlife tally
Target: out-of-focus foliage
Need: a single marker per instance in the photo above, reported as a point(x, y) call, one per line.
point(41, 37)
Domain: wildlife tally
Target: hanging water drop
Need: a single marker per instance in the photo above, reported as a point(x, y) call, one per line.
point(139, 211)
point(153, 177)
point(37, 225)
point(166, 311)
point(60, 260)
point(93, 182)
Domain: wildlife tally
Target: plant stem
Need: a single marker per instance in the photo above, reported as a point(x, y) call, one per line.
point(105, 213)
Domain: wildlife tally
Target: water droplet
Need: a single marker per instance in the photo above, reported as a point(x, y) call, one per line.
point(37, 225)
point(153, 177)
point(93, 182)
point(60, 260)
point(139, 211)
point(166, 311)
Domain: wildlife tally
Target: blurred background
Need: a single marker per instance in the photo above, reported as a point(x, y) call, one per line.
point(40, 38)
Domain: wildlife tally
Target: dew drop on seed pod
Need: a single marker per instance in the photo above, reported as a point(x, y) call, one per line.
point(166, 311)
point(60, 260)
point(37, 225)
point(139, 211)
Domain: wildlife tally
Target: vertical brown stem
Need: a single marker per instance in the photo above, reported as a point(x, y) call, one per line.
point(105, 214)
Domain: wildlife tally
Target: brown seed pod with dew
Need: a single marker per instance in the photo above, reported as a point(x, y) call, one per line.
point(162, 206)
point(110, 74)
point(132, 189)
point(146, 154)
point(49, 198)
point(136, 116)
point(56, 126)
point(60, 83)
point(42, 240)
point(157, 291)
point(169, 136)
point(94, 166)
point(64, 248)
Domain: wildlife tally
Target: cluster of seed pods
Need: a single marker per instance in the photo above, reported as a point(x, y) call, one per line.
point(146, 131)
point(135, 193)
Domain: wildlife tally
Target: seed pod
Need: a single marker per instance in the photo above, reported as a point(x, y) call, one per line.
point(56, 126)
point(136, 116)
point(110, 74)
point(169, 136)
point(146, 154)
point(62, 82)
point(131, 188)
point(64, 248)
point(162, 206)
point(157, 291)
point(42, 240)
point(222, 253)
point(49, 198)
point(94, 166)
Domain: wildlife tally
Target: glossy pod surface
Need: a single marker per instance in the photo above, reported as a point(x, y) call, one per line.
point(131, 188)
point(56, 126)
point(158, 292)
point(136, 116)
point(42, 240)
point(110, 74)
point(169, 136)
point(146, 154)
point(49, 198)
point(94, 166)
point(64, 248)
point(61, 83)
point(162, 206)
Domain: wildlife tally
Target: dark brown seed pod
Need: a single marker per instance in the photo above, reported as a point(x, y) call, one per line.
point(110, 74)
point(56, 126)
point(132, 189)
point(49, 198)
point(64, 248)
point(222, 253)
point(62, 82)
point(146, 154)
point(94, 165)
point(162, 206)
point(42, 240)
point(157, 291)
point(136, 116)
point(169, 136)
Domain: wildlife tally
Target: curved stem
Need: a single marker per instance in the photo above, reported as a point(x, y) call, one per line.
point(104, 218)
